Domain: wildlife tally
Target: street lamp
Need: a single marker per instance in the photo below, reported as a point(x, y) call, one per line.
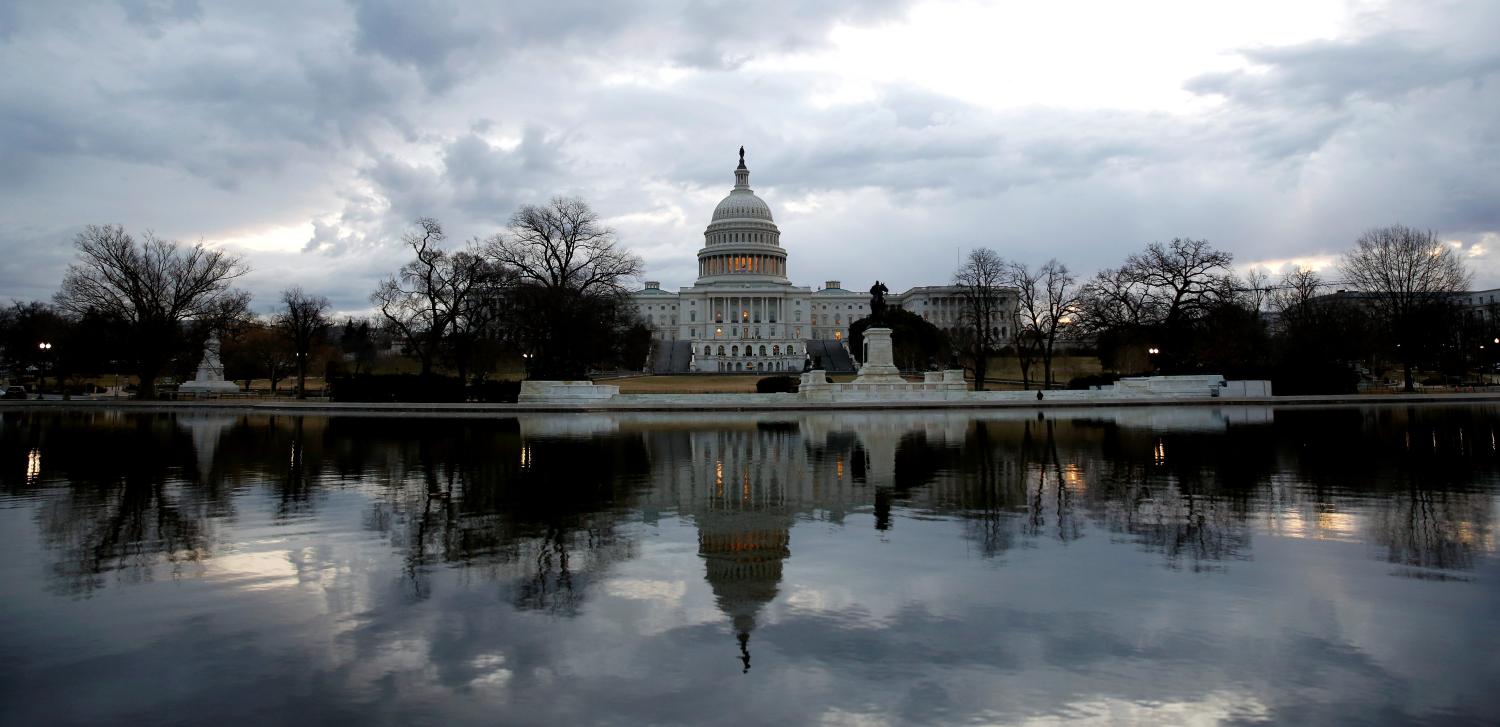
point(41, 380)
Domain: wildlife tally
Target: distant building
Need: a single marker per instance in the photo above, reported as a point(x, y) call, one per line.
point(744, 314)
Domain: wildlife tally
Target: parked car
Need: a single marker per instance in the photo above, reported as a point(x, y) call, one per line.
point(15, 392)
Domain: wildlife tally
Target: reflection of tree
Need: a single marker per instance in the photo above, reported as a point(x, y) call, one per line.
point(1433, 528)
point(540, 513)
point(1184, 495)
point(132, 495)
point(989, 490)
point(112, 498)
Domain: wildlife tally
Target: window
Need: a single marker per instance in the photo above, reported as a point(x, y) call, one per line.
point(790, 349)
point(721, 350)
point(707, 351)
point(734, 351)
point(775, 350)
point(692, 315)
point(762, 350)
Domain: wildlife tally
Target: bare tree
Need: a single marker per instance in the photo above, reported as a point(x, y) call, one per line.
point(981, 280)
point(1410, 275)
point(422, 302)
point(570, 282)
point(1115, 299)
point(1181, 279)
point(1156, 298)
point(1023, 331)
point(1293, 298)
point(1047, 301)
point(1257, 290)
point(258, 348)
point(302, 319)
point(154, 288)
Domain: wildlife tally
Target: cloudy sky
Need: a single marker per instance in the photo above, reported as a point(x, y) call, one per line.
point(887, 136)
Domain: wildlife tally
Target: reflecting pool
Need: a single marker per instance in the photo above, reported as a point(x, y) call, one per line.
point(1156, 566)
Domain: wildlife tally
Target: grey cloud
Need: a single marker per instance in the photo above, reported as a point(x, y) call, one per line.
point(153, 14)
point(1331, 73)
point(357, 118)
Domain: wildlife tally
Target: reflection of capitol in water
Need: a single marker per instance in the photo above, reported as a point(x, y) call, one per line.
point(744, 483)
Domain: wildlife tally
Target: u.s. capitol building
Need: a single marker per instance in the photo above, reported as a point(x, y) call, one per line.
point(744, 314)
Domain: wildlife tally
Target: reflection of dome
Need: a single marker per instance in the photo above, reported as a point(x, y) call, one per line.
point(743, 553)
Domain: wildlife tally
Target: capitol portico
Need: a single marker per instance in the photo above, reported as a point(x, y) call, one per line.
point(744, 314)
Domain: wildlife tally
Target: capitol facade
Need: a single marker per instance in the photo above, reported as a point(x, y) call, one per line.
point(744, 314)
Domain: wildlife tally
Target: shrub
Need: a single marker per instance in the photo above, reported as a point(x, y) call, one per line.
point(413, 388)
point(1087, 382)
point(1314, 378)
point(776, 385)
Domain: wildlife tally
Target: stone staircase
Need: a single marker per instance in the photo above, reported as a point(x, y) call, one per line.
point(831, 353)
point(671, 357)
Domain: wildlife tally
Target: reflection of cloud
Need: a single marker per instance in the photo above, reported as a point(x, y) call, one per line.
point(253, 571)
point(643, 589)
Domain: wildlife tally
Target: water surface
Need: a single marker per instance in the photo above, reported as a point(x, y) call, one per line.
point(1193, 565)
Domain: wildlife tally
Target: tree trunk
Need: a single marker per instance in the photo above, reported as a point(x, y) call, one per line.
point(146, 372)
point(1406, 376)
point(979, 371)
point(301, 377)
point(1047, 381)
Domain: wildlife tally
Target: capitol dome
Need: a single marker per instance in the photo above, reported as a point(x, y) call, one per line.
point(742, 203)
point(742, 241)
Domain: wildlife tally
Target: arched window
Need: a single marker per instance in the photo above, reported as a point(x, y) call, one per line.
point(721, 350)
point(762, 350)
point(650, 318)
point(790, 349)
point(692, 316)
point(775, 350)
point(708, 351)
point(734, 350)
point(749, 351)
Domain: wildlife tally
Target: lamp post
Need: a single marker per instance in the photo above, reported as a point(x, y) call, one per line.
point(45, 348)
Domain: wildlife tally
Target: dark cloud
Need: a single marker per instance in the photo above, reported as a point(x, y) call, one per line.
point(337, 123)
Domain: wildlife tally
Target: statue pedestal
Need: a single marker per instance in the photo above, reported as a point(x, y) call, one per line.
point(879, 359)
point(210, 376)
